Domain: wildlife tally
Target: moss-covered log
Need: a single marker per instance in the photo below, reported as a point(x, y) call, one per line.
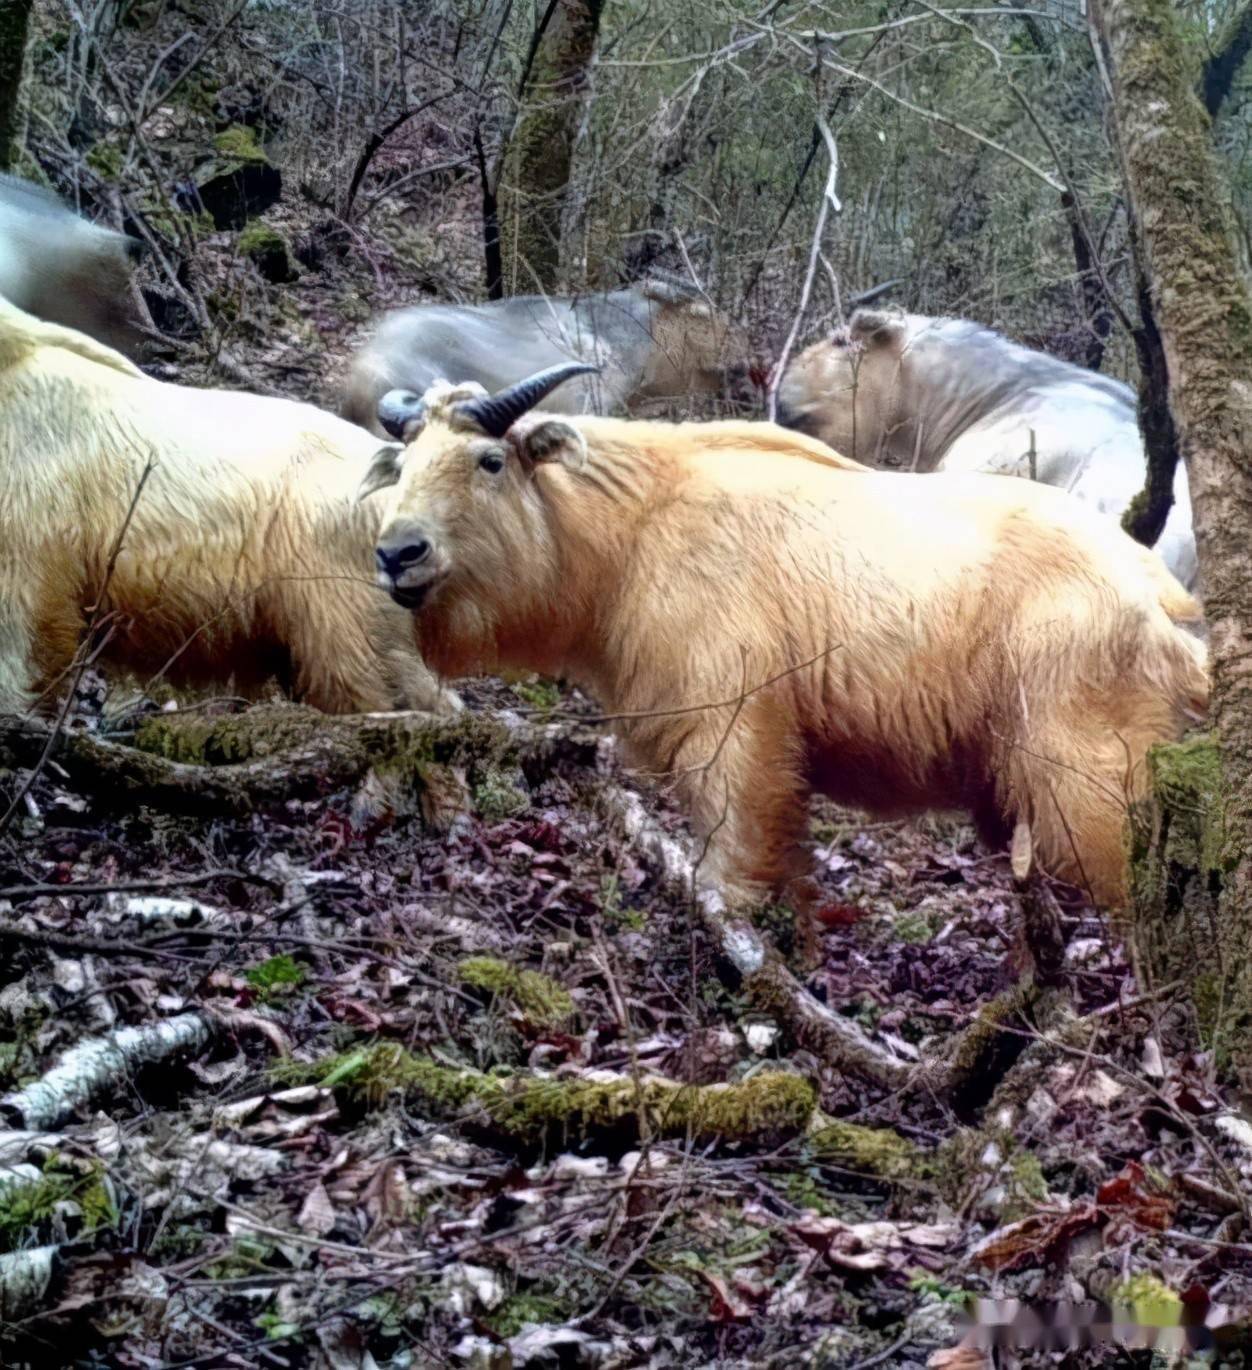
point(772, 1104)
point(273, 753)
point(1204, 311)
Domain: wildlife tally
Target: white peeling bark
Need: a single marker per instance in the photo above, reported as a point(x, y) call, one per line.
point(92, 1066)
point(24, 1280)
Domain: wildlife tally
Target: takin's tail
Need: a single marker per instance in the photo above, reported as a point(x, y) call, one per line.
point(22, 333)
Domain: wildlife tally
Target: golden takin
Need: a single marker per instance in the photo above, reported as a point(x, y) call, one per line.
point(765, 619)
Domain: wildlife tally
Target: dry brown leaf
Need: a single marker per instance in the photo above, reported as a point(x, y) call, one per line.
point(871, 1245)
point(386, 1198)
point(1033, 1240)
point(727, 1304)
point(317, 1213)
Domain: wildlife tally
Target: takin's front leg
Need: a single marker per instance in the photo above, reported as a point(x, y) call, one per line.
point(749, 802)
point(353, 651)
point(15, 662)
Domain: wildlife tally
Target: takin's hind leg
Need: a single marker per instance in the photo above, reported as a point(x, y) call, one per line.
point(749, 804)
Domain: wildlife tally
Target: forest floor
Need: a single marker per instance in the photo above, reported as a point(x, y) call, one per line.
point(376, 1147)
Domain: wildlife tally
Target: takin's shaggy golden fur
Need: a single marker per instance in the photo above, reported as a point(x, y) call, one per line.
point(246, 555)
point(895, 642)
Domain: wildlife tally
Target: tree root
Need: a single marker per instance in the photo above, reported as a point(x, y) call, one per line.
point(765, 977)
point(93, 1066)
point(1001, 1032)
point(770, 1104)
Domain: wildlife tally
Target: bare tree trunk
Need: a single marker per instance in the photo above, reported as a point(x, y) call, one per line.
point(542, 147)
point(1145, 519)
point(14, 18)
point(1204, 314)
point(1098, 313)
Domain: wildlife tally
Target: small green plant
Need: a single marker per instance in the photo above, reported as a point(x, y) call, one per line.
point(25, 1204)
point(539, 693)
point(912, 927)
point(499, 794)
point(274, 1326)
point(249, 1255)
point(515, 1312)
point(803, 1189)
point(611, 905)
point(279, 975)
point(931, 1287)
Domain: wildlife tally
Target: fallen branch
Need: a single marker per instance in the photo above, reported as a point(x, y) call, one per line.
point(134, 886)
point(766, 979)
point(99, 1063)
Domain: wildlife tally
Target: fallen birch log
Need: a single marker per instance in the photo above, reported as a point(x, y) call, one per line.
point(24, 1280)
point(91, 1067)
point(766, 978)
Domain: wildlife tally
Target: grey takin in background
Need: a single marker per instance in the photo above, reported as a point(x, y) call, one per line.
point(62, 269)
point(922, 394)
point(655, 341)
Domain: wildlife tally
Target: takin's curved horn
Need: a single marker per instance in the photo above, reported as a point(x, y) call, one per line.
point(496, 414)
point(397, 409)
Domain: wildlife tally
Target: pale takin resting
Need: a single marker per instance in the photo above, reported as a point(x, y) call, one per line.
point(912, 393)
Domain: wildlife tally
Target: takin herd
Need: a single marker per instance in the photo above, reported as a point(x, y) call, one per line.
point(855, 601)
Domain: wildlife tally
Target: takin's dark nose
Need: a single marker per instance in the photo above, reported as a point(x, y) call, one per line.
point(394, 559)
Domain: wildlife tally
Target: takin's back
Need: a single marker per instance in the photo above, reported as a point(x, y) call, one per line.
point(947, 552)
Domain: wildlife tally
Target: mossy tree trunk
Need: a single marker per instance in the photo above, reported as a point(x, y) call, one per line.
point(1204, 314)
point(14, 20)
point(541, 151)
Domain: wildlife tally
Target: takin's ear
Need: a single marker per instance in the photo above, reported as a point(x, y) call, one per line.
point(384, 470)
point(878, 328)
point(541, 439)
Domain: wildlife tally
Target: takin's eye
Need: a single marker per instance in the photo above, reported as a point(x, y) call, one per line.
point(491, 462)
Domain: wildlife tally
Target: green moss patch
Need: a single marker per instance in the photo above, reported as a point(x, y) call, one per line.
point(539, 999)
point(238, 143)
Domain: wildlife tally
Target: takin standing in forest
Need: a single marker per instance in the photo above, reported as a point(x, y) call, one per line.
point(767, 620)
point(920, 394)
point(657, 341)
point(244, 557)
point(63, 269)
